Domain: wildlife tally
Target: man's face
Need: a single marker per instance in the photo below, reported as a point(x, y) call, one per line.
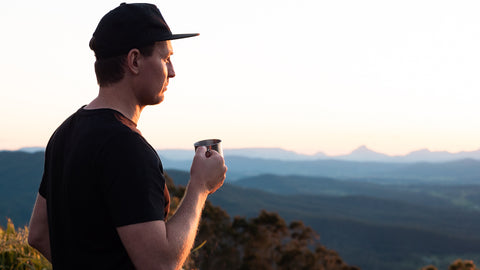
point(155, 72)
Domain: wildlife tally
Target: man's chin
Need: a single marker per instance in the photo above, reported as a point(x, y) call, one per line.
point(155, 101)
point(158, 100)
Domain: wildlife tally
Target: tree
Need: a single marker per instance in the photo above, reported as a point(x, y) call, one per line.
point(460, 264)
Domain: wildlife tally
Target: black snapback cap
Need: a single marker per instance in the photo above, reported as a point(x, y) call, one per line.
point(130, 26)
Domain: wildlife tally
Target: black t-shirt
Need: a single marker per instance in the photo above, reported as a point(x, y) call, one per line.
point(99, 174)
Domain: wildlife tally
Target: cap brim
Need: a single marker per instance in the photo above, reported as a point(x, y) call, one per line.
point(179, 36)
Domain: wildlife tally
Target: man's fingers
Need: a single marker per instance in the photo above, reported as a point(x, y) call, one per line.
point(208, 153)
point(201, 150)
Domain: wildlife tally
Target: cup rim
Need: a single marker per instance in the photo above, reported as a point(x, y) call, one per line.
point(207, 142)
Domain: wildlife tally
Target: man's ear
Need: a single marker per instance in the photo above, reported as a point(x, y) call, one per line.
point(134, 58)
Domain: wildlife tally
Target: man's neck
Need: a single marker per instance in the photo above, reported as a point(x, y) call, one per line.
point(116, 99)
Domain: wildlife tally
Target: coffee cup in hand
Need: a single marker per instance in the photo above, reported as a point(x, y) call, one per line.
point(210, 144)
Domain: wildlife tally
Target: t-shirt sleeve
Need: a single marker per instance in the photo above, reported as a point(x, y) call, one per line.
point(133, 180)
point(42, 190)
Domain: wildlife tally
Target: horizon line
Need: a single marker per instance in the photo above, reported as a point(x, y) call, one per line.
point(319, 153)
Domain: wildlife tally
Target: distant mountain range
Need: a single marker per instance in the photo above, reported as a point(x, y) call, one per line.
point(463, 171)
point(362, 153)
point(362, 165)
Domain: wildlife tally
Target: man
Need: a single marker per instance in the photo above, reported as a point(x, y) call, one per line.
point(103, 202)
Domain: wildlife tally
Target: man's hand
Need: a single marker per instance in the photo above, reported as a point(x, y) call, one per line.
point(208, 172)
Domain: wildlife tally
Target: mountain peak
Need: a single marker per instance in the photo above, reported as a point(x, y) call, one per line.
point(362, 149)
point(363, 153)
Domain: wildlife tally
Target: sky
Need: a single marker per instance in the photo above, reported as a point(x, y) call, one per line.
point(306, 75)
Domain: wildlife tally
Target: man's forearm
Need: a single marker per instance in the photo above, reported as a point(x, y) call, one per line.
point(182, 226)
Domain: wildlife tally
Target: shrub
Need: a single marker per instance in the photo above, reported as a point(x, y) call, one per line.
point(16, 254)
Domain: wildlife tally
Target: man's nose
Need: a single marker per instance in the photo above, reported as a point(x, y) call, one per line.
point(171, 71)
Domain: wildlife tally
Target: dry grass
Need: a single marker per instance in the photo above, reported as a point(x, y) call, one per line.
point(16, 254)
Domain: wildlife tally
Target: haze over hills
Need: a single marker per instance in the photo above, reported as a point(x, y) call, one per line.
point(362, 153)
point(465, 171)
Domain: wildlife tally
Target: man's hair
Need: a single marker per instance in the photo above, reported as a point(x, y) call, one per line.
point(112, 70)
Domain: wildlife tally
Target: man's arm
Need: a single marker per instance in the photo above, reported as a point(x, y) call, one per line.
point(166, 245)
point(38, 235)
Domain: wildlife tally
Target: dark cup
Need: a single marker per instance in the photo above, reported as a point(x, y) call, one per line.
point(211, 144)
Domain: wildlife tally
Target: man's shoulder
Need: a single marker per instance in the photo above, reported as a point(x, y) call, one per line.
point(104, 120)
point(94, 128)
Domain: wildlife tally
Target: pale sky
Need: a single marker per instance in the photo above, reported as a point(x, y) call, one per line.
point(307, 76)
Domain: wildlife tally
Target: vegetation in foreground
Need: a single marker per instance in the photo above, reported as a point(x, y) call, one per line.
point(216, 252)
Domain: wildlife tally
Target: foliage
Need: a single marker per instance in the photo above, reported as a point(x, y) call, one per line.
point(16, 254)
point(462, 265)
point(458, 264)
point(429, 267)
